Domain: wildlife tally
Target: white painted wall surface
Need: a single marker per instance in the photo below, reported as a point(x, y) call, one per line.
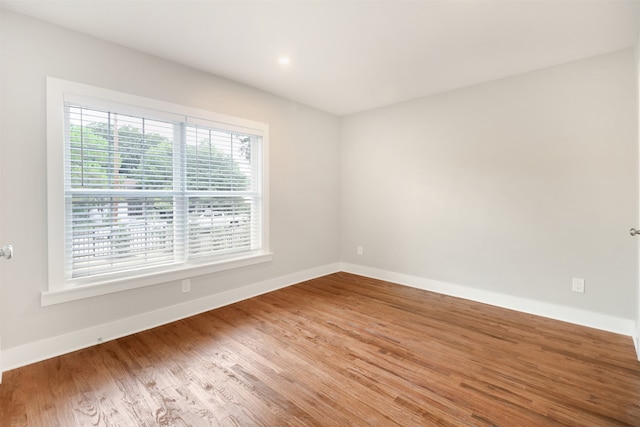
point(2, 178)
point(513, 186)
point(508, 188)
point(636, 338)
point(303, 175)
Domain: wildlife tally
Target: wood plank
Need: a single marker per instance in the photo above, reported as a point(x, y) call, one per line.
point(341, 350)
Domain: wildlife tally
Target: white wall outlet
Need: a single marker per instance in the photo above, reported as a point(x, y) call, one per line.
point(577, 285)
point(359, 250)
point(186, 285)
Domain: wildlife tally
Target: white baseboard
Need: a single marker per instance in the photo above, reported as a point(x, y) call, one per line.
point(591, 319)
point(16, 357)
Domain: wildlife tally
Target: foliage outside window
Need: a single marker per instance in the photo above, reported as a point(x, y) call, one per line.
point(148, 191)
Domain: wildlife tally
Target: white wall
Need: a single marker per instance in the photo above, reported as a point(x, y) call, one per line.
point(510, 187)
point(1, 235)
point(303, 174)
point(637, 115)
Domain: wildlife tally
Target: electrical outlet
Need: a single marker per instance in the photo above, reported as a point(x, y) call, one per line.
point(186, 285)
point(359, 250)
point(577, 285)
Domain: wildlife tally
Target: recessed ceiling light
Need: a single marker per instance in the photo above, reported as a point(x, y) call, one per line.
point(283, 60)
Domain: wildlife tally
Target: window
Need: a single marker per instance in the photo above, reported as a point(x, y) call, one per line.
point(147, 189)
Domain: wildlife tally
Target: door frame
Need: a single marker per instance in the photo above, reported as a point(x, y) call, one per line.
point(636, 337)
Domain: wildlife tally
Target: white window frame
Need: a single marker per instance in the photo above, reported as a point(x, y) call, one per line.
point(59, 290)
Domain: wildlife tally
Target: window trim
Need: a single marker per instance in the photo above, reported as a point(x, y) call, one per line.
point(58, 291)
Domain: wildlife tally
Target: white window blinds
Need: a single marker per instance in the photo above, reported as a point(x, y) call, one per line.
point(142, 192)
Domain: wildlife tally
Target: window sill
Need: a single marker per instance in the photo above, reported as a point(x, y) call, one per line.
point(68, 294)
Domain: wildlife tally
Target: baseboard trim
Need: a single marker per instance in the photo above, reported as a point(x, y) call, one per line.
point(553, 311)
point(636, 339)
point(16, 357)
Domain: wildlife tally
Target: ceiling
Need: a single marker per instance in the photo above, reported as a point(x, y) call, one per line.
point(350, 56)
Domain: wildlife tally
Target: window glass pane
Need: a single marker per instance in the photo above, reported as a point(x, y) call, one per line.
point(115, 233)
point(219, 224)
point(218, 160)
point(116, 151)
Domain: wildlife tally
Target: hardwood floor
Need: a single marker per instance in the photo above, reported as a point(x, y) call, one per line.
point(341, 350)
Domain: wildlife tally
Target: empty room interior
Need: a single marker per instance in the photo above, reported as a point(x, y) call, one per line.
point(327, 213)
